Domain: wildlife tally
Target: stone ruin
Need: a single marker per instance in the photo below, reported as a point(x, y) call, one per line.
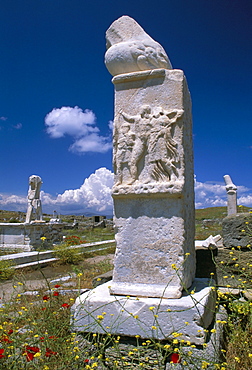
point(231, 196)
point(236, 226)
point(34, 201)
point(27, 235)
point(153, 196)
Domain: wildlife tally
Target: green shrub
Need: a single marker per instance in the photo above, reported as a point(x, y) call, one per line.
point(6, 269)
point(66, 254)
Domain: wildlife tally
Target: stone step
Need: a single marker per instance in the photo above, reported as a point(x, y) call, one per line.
point(36, 263)
point(26, 259)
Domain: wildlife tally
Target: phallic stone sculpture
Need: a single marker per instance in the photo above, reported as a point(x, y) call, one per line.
point(34, 201)
point(153, 197)
point(153, 164)
point(231, 195)
point(131, 49)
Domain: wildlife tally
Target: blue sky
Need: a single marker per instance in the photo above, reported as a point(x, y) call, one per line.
point(52, 65)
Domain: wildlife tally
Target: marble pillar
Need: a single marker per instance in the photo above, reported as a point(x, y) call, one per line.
point(153, 190)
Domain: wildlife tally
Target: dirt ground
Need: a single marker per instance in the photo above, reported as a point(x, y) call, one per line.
point(35, 279)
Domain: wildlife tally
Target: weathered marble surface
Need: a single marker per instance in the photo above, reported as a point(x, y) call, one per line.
point(153, 190)
point(153, 197)
point(34, 202)
point(131, 49)
point(99, 312)
point(231, 195)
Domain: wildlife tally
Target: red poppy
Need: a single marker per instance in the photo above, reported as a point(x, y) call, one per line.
point(50, 353)
point(43, 308)
point(57, 286)
point(1, 353)
point(65, 305)
point(86, 361)
point(10, 331)
point(42, 339)
point(6, 339)
point(55, 294)
point(52, 337)
point(46, 298)
point(30, 352)
point(175, 358)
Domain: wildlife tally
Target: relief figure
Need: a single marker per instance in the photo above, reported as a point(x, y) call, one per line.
point(122, 156)
point(161, 147)
point(141, 124)
point(148, 133)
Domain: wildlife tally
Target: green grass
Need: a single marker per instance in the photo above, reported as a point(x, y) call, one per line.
point(35, 333)
point(93, 235)
point(25, 320)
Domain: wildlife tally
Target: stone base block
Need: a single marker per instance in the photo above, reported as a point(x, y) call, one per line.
point(98, 311)
point(207, 356)
point(145, 290)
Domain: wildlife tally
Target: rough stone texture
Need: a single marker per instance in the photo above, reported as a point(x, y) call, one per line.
point(153, 190)
point(208, 355)
point(119, 352)
point(131, 353)
point(98, 311)
point(27, 236)
point(205, 265)
point(229, 265)
point(236, 230)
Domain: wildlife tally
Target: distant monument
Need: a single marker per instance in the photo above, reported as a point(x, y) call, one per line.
point(231, 195)
point(34, 201)
point(153, 197)
point(27, 235)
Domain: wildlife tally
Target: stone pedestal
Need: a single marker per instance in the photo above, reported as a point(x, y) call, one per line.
point(153, 189)
point(98, 311)
point(153, 197)
point(153, 192)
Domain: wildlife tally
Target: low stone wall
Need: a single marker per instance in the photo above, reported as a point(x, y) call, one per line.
point(28, 236)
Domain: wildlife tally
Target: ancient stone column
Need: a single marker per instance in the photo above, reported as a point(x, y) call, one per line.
point(34, 201)
point(153, 190)
point(153, 196)
point(231, 195)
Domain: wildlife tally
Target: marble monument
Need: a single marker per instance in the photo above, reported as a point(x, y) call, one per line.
point(34, 201)
point(153, 291)
point(231, 195)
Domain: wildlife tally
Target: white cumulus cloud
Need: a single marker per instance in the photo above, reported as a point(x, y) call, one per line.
point(91, 143)
point(81, 126)
point(94, 196)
